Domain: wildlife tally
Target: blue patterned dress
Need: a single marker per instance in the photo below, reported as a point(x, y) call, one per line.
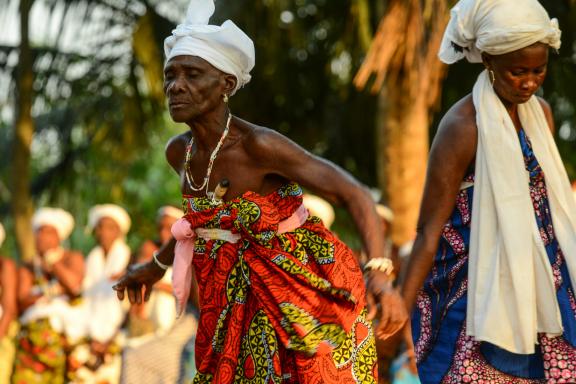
point(444, 353)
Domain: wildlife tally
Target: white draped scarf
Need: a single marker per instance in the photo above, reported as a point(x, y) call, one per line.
point(103, 312)
point(511, 289)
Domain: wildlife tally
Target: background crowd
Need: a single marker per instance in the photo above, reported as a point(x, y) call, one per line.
point(83, 121)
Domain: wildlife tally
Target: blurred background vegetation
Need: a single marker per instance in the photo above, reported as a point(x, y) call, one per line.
point(83, 118)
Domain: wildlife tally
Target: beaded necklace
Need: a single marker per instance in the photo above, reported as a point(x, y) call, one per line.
point(189, 177)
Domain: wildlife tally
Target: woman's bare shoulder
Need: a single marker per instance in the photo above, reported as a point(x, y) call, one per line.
point(458, 126)
point(264, 142)
point(461, 115)
point(176, 149)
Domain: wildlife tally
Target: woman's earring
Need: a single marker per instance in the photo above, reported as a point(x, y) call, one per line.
point(492, 76)
point(225, 97)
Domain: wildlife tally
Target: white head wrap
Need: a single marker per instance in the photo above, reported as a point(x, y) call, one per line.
point(169, 211)
point(2, 235)
point(54, 217)
point(226, 47)
point(320, 208)
point(496, 27)
point(114, 212)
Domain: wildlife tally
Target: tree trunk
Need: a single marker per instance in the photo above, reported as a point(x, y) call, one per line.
point(407, 77)
point(403, 150)
point(22, 206)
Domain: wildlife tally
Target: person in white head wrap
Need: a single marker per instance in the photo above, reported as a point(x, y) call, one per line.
point(57, 218)
point(101, 313)
point(47, 285)
point(240, 184)
point(505, 268)
point(156, 356)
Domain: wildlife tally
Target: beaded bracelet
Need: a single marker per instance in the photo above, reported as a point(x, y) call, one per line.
point(158, 262)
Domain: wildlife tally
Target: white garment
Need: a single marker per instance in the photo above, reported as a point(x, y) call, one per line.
point(511, 289)
point(226, 47)
point(161, 308)
point(496, 27)
point(101, 311)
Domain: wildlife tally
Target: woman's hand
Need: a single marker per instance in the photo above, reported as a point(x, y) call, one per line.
point(138, 276)
point(393, 314)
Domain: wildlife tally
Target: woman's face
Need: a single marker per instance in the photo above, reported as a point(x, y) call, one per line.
point(193, 87)
point(164, 228)
point(46, 239)
point(519, 74)
point(106, 232)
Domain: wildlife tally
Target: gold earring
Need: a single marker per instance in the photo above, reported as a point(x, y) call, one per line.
point(225, 97)
point(492, 76)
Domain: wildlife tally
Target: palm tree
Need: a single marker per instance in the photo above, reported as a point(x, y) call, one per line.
point(407, 78)
point(104, 56)
point(23, 132)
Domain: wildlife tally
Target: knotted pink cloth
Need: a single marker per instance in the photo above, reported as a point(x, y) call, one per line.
point(185, 237)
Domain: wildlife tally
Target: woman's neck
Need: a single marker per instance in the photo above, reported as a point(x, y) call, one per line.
point(207, 130)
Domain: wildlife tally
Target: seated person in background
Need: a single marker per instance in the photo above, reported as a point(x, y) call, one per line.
point(159, 313)
point(96, 359)
point(8, 313)
point(47, 285)
point(157, 357)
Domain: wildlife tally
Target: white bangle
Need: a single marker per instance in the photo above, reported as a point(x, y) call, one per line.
point(382, 264)
point(158, 262)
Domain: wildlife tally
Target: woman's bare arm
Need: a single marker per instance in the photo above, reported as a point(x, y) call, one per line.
point(70, 272)
point(285, 158)
point(8, 300)
point(26, 297)
point(452, 153)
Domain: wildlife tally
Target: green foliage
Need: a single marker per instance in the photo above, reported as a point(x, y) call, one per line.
point(101, 125)
point(100, 128)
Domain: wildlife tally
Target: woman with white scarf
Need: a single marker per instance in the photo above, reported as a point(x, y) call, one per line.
point(98, 358)
point(48, 287)
point(493, 269)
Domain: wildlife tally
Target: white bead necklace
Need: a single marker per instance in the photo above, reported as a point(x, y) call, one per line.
point(189, 177)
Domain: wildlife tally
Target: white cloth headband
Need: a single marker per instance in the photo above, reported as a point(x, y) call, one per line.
point(496, 27)
point(170, 211)
point(226, 47)
point(58, 218)
point(112, 211)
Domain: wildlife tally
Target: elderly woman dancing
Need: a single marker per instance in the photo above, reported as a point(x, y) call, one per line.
point(282, 300)
point(493, 269)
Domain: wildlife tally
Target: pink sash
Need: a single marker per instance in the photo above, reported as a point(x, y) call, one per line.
point(184, 250)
